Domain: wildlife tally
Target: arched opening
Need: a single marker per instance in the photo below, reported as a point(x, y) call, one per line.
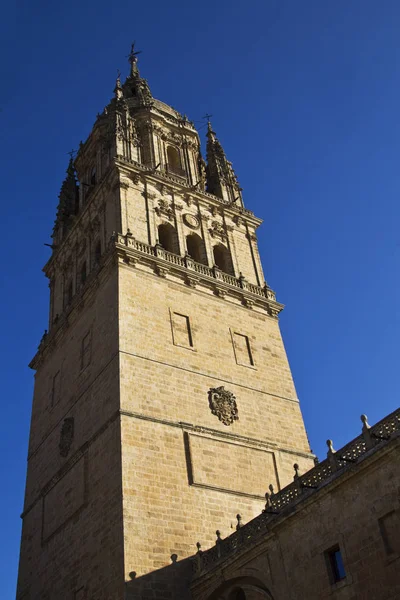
point(237, 595)
point(174, 163)
point(69, 293)
point(83, 273)
point(97, 252)
point(196, 248)
point(222, 258)
point(93, 176)
point(242, 588)
point(168, 238)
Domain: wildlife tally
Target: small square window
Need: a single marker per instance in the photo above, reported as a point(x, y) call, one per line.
point(86, 350)
point(335, 564)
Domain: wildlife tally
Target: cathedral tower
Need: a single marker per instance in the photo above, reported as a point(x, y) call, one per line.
point(164, 403)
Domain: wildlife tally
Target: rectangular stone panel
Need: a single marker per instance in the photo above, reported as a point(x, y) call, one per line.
point(64, 499)
point(241, 345)
point(181, 330)
point(239, 469)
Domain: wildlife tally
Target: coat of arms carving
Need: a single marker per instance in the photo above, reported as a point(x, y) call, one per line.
point(223, 405)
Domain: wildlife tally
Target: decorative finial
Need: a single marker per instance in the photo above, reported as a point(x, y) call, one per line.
point(198, 545)
point(174, 558)
point(132, 57)
point(296, 471)
point(218, 534)
point(268, 502)
point(239, 522)
point(271, 489)
point(118, 87)
point(72, 154)
point(331, 449)
point(364, 420)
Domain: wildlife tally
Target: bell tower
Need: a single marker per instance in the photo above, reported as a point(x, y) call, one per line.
point(164, 403)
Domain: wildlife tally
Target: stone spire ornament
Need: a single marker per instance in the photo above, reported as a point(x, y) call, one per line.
point(118, 87)
point(132, 57)
point(135, 87)
point(68, 203)
point(221, 178)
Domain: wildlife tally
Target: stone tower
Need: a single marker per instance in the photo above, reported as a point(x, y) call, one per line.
point(164, 403)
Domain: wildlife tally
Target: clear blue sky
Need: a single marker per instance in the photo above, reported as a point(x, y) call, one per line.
point(305, 98)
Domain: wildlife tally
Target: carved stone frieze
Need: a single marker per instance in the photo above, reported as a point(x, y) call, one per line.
point(188, 199)
point(66, 436)
point(135, 178)
point(162, 188)
point(248, 303)
point(191, 281)
point(223, 405)
point(219, 292)
point(217, 229)
point(164, 208)
point(161, 272)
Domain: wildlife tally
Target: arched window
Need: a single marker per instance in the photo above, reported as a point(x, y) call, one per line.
point(97, 253)
point(196, 248)
point(83, 273)
point(105, 162)
point(174, 161)
point(93, 176)
point(222, 258)
point(168, 238)
point(69, 293)
point(237, 594)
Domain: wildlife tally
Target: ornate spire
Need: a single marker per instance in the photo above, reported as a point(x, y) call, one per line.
point(221, 178)
point(135, 87)
point(68, 202)
point(118, 87)
point(132, 57)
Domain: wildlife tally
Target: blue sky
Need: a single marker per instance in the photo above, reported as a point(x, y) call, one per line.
point(305, 98)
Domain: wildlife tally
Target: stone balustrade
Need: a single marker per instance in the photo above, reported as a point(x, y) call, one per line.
point(302, 486)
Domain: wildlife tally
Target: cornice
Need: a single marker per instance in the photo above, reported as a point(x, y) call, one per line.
point(131, 252)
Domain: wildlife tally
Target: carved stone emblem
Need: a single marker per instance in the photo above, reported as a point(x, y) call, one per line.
point(164, 208)
point(217, 229)
point(66, 436)
point(191, 221)
point(223, 405)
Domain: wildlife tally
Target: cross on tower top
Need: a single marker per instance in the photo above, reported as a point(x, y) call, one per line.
point(132, 56)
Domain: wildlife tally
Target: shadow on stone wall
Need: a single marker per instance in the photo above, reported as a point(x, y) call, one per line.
point(169, 583)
